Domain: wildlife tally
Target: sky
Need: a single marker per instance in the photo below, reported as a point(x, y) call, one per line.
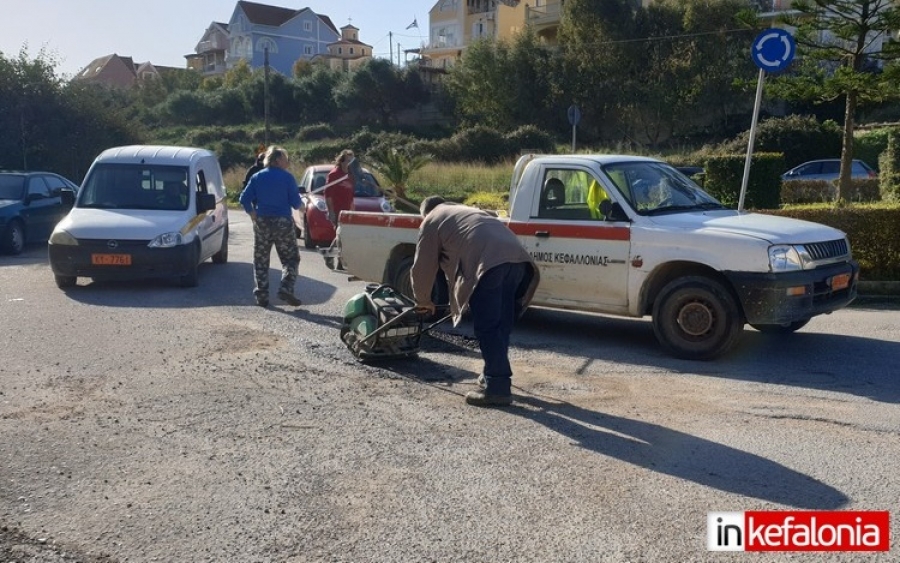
point(75, 32)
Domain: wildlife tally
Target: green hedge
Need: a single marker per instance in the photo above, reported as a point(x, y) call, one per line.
point(862, 190)
point(873, 230)
point(725, 173)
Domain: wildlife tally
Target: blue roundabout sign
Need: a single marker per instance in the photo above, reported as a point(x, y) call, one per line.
point(773, 49)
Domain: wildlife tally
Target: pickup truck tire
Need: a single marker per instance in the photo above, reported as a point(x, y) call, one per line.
point(696, 318)
point(781, 329)
point(402, 282)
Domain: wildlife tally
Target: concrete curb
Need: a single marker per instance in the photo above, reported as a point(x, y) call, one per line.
point(879, 288)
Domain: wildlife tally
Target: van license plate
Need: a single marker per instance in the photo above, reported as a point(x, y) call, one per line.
point(111, 259)
point(840, 281)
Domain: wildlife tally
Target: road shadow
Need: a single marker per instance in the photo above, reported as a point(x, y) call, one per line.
point(167, 292)
point(680, 455)
point(828, 362)
point(33, 254)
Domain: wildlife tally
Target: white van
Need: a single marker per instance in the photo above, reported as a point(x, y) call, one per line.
point(142, 212)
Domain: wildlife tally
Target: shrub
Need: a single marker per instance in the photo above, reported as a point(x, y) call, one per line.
point(868, 145)
point(489, 201)
point(724, 175)
point(799, 138)
point(316, 132)
point(479, 144)
point(807, 191)
point(531, 138)
point(873, 229)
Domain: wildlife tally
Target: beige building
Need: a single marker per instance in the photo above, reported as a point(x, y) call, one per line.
point(455, 24)
point(347, 53)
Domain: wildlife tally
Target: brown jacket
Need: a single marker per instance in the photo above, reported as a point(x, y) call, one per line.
point(464, 243)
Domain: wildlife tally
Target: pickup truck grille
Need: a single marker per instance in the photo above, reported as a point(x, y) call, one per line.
point(827, 250)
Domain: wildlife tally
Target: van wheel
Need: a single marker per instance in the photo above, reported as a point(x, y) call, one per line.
point(63, 282)
point(192, 277)
point(696, 318)
point(221, 257)
point(781, 329)
point(14, 238)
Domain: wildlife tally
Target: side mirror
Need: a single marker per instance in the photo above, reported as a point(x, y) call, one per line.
point(205, 202)
point(613, 211)
point(67, 197)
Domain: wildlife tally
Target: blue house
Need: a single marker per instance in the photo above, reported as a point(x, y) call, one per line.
point(288, 35)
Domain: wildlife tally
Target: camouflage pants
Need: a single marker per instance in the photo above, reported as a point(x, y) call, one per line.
point(277, 231)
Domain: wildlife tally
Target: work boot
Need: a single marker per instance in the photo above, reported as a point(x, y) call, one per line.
point(289, 298)
point(484, 399)
point(262, 300)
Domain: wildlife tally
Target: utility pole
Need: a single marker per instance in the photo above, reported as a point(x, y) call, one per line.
point(391, 45)
point(266, 93)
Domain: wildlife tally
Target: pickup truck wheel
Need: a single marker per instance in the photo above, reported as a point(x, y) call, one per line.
point(402, 282)
point(307, 238)
point(781, 329)
point(696, 318)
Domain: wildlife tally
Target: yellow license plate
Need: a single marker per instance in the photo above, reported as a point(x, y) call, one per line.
point(840, 281)
point(111, 259)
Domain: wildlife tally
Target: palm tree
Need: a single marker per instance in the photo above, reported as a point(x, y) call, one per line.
point(396, 166)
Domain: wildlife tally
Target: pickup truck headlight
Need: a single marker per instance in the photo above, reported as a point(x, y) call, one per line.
point(321, 205)
point(167, 240)
point(63, 238)
point(786, 258)
point(386, 206)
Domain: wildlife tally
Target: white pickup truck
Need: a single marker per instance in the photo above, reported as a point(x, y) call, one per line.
point(632, 236)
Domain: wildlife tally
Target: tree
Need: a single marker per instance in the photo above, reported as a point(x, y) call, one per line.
point(842, 45)
point(378, 89)
point(396, 166)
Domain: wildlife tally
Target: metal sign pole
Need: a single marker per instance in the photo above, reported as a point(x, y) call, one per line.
point(759, 92)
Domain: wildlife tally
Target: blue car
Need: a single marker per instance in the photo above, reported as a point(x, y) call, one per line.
point(827, 169)
point(31, 204)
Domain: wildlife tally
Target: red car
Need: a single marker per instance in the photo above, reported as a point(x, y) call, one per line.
point(311, 220)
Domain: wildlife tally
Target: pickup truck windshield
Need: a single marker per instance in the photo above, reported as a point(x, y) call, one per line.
point(653, 188)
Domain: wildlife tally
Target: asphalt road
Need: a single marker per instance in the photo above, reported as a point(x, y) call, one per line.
point(148, 422)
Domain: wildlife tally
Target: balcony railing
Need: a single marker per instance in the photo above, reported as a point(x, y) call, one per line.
point(547, 14)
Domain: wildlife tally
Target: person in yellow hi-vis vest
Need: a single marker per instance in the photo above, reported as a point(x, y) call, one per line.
point(596, 194)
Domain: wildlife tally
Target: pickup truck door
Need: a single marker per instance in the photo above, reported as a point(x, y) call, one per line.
point(583, 258)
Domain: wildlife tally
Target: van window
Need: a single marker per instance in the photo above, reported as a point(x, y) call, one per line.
point(135, 186)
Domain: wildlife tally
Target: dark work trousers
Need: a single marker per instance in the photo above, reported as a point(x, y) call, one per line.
point(277, 231)
point(493, 306)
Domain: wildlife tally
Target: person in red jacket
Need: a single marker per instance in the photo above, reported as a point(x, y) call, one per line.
point(339, 197)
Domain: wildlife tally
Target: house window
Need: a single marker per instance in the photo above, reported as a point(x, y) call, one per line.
point(340, 50)
point(266, 43)
point(307, 50)
point(351, 50)
point(307, 26)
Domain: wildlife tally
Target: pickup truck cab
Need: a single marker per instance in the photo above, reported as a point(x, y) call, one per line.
point(632, 236)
